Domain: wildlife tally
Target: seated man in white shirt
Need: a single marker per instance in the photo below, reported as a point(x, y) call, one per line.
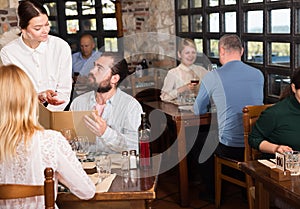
point(118, 114)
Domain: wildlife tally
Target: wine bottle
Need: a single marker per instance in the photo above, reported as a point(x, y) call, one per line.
point(144, 143)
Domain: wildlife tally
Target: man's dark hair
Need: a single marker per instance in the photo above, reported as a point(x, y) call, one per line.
point(120, 65)
point(231, 42)
point(288, 90)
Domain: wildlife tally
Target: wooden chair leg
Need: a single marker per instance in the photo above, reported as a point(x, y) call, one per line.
point(250, 193)
point(250, 200)
point(218, 183)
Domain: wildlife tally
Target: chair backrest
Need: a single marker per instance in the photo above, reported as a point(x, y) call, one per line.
point(250, 114)
point(139, 84)
point(14, 191)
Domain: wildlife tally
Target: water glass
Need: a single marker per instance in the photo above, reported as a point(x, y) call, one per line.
point(103, 165)
point(292, 162)
point(180, 98)
point(69, 134)
point(95, 150)
point(82, 147)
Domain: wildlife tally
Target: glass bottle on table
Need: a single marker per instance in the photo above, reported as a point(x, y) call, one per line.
point(144, 143)
point(144, 67)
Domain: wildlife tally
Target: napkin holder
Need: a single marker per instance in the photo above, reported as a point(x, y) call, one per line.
point(280, 175)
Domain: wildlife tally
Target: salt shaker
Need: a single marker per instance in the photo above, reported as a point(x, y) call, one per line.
point(125, 161)
point(132, 159)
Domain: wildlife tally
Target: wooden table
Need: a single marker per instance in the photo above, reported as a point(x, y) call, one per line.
point(265, 185)
point(132, 193)
point(182, 120)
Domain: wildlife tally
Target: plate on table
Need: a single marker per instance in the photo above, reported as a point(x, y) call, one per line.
point(188, 108)
point(88, 165)
point(191, 103)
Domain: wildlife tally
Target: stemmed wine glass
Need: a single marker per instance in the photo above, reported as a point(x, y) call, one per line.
point(82, 147)
point(195, 82)
point(69, 134)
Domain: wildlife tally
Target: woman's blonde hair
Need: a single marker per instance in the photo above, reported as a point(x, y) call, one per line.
point(186, 42)
point(19, 110)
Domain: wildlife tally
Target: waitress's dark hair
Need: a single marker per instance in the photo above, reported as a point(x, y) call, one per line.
point(288, 90)
point(29, 9)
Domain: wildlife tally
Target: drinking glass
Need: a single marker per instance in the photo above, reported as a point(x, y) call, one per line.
point(95, 150)
point(195, 81)
point(180, 98)
point(212, 67)
point(82, 147)
point(69, 134)
point(292, 162)
point(103, 165)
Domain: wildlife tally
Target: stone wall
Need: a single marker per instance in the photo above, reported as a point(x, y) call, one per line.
point(149, 31)
point(8, 17)
point(8, 22)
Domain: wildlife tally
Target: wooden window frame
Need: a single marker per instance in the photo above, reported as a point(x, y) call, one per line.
point(265, 37)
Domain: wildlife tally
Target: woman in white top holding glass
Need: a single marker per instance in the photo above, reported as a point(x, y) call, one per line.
point(46, 59)
point(26, 149)
point(186, 76)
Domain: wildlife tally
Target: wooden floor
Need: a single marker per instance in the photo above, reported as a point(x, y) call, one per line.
point(168, 195)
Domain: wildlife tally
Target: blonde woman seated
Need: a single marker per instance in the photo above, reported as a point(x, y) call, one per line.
point(26, 149)
point(178, 80)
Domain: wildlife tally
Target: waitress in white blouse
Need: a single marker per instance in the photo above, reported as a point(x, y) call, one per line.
point(46, 59)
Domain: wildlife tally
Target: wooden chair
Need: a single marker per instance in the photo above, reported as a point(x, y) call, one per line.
point(14, 191)
point(250, 115)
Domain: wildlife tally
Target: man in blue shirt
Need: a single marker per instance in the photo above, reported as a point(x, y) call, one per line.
point(230, 88)
point(83, 61)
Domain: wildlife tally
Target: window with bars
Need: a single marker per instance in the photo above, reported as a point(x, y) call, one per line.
point(70, 18)
point(269, 30)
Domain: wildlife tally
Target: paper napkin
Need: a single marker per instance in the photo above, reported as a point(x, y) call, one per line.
point(105, 184)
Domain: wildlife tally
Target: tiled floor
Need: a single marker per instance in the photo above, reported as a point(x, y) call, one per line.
point(168, 195)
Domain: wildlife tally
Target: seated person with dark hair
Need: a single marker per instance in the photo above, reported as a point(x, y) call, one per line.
point(277, 129)
point(119, 114)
